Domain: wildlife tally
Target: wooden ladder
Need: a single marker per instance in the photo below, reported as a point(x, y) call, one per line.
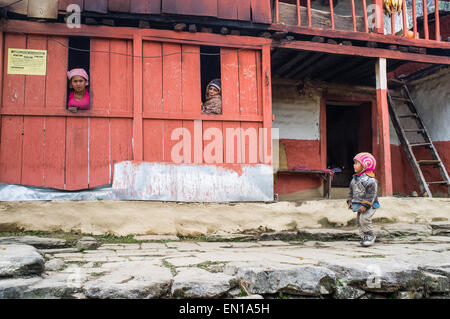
point(416, 165)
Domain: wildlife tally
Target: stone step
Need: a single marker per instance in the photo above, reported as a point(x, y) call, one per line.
point(20, 260)
point(35, 241)
point(440, 228)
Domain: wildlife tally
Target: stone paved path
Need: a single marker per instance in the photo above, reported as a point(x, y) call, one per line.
point(403, 267)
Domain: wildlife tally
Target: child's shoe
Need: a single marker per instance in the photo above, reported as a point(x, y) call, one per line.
point(368, 240)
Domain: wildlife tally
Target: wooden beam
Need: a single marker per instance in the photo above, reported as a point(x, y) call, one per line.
point(424, 72)
point(138, 145)
point(342, 67)
point(29, 27)
point(306, 71)
point(361, 71)
point(311, 59)
point(291, 63)
point(361, 36)
point(363, 51)
point(383, 128)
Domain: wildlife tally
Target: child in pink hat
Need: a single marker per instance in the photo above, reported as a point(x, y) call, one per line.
point(79, 98)
point(363, 197)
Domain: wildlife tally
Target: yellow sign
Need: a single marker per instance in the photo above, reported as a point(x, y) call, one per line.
point(26, 61)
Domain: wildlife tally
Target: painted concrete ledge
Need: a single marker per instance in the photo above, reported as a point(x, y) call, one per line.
point(164, 182)
point(123, 218)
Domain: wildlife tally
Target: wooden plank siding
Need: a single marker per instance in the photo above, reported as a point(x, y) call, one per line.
point(71, 151)
point(42, 144)
point(172, 100)
point(245, 10)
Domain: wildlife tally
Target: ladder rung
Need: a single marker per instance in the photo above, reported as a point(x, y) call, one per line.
point(441, 182)
point(428, 162)
point(413, 130)
point(401, 99)
point(408, 115)
point(420, 144)
point(395, 81)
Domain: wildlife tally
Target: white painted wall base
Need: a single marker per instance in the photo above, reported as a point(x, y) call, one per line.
point(192, 183)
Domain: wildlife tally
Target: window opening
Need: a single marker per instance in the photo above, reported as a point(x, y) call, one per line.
point(78, 89)
point(211, 80)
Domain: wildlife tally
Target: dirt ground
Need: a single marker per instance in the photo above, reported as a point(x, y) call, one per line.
point(124, 218)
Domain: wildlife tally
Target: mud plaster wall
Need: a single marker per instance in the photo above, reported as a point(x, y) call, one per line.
point(298, 119)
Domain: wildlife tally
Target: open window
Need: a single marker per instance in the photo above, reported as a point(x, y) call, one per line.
point(211, 80)
point(78, 94)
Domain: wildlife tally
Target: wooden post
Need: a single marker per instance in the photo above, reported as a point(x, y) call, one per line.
point(383, 124)
point(2, 61)
point(393, 23)
point(436, 20)
point(405, 27)
point(137, 105)
point(332, 14)
point(277, 12)
point(267, 101)
point(379, 23)
point(354, 15)
point(366, 22)
point(425, 19)
point(414, 13)
point(323, 132)
point(308, 5)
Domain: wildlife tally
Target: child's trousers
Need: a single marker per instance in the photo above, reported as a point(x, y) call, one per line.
point(364, 221)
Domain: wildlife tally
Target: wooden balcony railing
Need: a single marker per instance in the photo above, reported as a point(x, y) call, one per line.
point(370, 20)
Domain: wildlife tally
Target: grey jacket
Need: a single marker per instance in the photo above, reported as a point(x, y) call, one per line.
point(363, 190)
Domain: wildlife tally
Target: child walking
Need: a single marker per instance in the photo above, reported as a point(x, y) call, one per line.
point(363, 197)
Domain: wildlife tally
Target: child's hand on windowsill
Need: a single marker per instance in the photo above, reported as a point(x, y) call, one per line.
point(73, 109)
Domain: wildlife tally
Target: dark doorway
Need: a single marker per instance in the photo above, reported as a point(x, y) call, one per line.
point(349, 131)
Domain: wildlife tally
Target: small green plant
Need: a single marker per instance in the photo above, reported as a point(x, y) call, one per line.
point(242, 293)
point(114, 239)
point(282, 296)
point(97, 274)
point(340, 282)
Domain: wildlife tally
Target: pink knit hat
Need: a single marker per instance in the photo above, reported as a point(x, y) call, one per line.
point(80, 72)
point(368, 162)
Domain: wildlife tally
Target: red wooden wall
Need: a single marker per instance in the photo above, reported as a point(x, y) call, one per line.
point(172, 97)
point(42, 144)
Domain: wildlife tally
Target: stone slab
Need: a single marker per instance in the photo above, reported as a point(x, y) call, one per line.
point(35, 241)
point(20, 260)
point(130, 280)
point(199, 283)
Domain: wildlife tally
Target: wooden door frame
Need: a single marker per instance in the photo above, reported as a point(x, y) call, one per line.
point(353, 97)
